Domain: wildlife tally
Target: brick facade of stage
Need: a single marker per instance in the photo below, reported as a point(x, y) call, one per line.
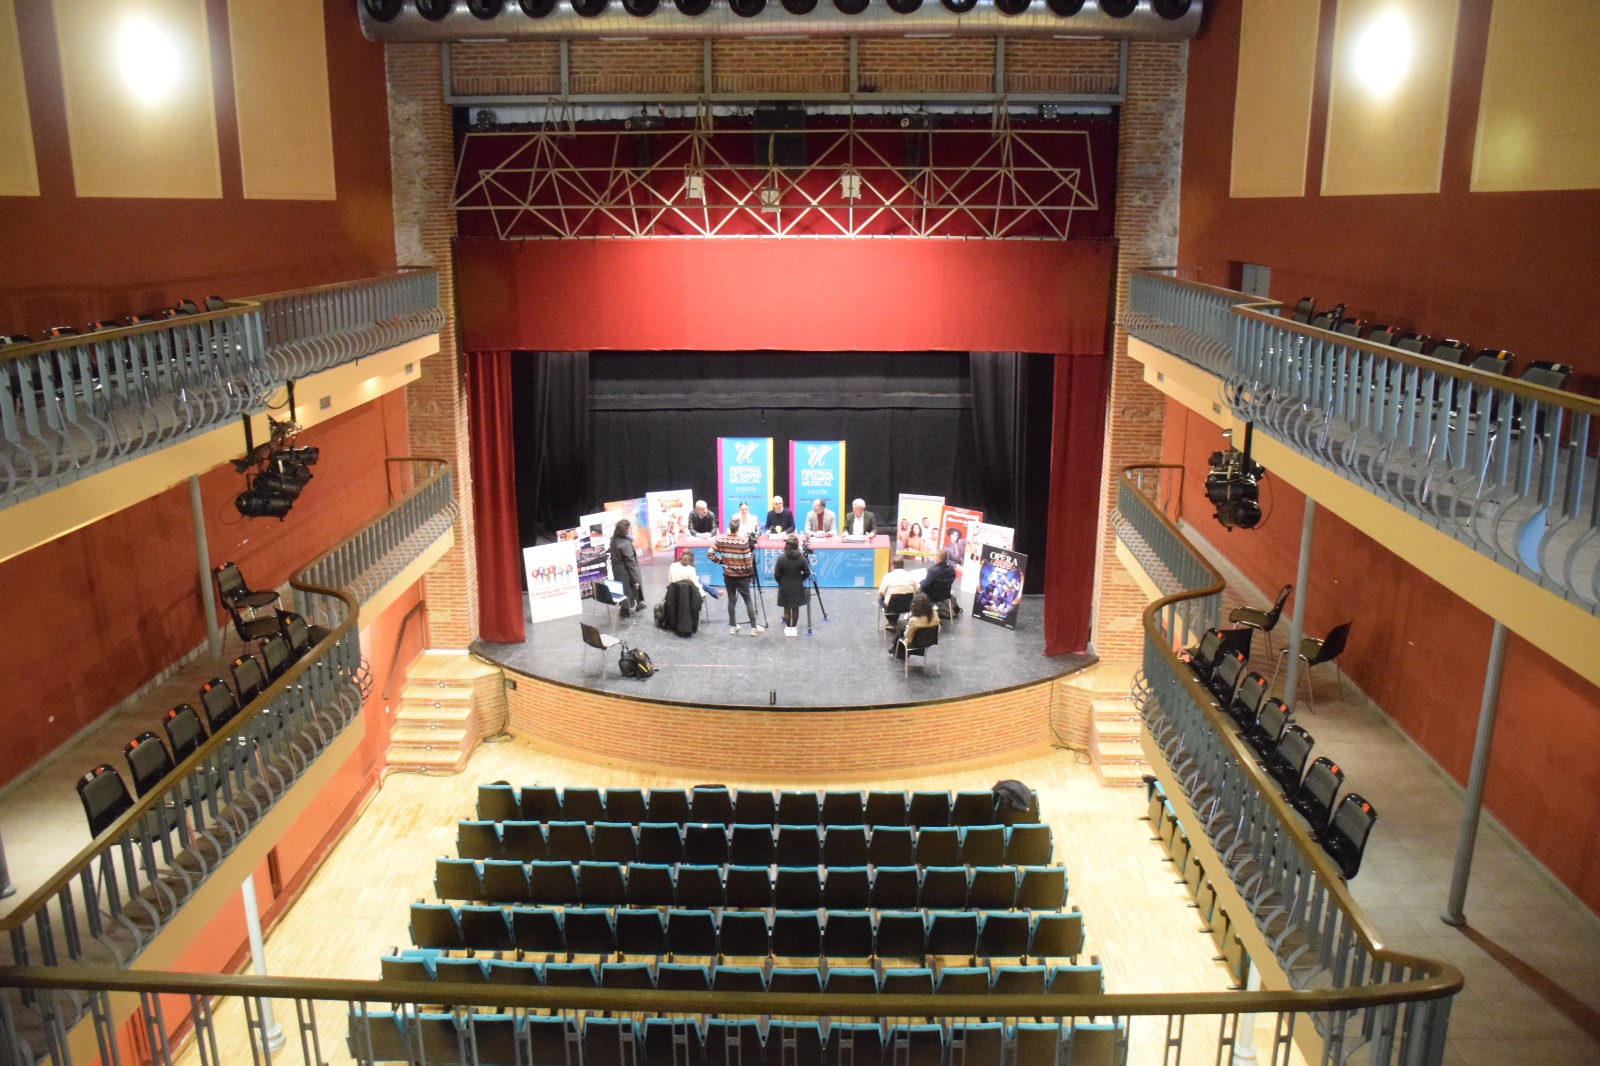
point(813, 745)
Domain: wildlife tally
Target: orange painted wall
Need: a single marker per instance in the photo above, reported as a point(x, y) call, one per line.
point(1419, 651)
point(1497, 270)
point(88, 258)
point(119, 600)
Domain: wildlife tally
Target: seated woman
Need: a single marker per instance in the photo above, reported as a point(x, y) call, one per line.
point(682, 569)
point(922, 616)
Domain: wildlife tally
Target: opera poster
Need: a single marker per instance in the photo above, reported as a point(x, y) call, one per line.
point(997, 593)
point(916, 532)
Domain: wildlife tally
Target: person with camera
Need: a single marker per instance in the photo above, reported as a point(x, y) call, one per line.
point(625, 567)
point(735, 552)
point(791, 572)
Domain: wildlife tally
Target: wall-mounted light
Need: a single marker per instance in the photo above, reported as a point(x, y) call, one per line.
point(850, 185)
point(148, 58)
point(770, 197)
point(1383, 52)
point(695, 187)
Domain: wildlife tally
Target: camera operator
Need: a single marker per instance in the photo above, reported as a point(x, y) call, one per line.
point(735, 552)
point(791, 572)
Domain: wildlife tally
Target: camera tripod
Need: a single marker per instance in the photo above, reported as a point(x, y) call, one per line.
point(815, 592)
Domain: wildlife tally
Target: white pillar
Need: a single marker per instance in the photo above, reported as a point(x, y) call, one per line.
point(271, 1031)
point(1244, 1035)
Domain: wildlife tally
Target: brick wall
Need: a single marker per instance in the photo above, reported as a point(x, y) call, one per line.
point(750, 65)
point(511, 68)
point(786, 744)
point(643, 67)
point(1149, 154)
point(423, 166)
point(952, 65)
point(1046, 64)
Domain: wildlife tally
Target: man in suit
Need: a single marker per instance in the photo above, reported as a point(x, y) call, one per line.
point(780, 519)
point(860, 522)
point(821, 520)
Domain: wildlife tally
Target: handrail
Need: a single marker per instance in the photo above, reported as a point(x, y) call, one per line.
point(1501, 464)
point(419, 607)
point(1295, 892)
point(310, 330)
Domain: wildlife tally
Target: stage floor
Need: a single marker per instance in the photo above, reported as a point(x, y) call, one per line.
point(843, 662)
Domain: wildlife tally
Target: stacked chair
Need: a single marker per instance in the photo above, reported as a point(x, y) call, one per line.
point(717, 891)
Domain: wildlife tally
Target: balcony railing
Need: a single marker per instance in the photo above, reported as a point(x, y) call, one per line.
point(1294, 891)
point(76, 405)
point(1506, 467)
point(379, 551)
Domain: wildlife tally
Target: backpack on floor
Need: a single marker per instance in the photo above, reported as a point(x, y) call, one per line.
point(635, 662)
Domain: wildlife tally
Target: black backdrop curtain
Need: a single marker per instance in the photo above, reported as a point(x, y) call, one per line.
point(594, 427)
point(550, 401)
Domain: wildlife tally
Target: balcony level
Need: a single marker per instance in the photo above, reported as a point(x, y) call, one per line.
point(93, 423)
point(1483, 482)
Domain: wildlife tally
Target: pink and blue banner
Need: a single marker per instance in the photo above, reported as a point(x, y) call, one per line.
point(744, 475)
point(816, 471)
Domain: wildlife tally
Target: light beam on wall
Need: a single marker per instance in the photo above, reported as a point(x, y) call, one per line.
point(1383, 52)
point(149, 59)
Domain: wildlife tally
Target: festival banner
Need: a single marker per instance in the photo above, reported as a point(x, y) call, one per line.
point(816, 471)
point(552, 571)
point(916, 533)
point(744, 475)
point(634, 510)
point(997, 595)
point(668, 517)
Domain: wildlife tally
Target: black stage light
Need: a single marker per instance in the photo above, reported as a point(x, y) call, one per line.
point(904, 7)
point(850, 7)
point(537, 9)
point(383, 10)
point(747, 9)
point(1172, 9)
point(1011, 7)
point(435, 10)
point(799, 7)
point(485, 9)
point(306, 454)
point(278, 484)
point(589, 9)
point(1118, 9)
point(1064, 8)
point(256, 504)
point(1233, 485)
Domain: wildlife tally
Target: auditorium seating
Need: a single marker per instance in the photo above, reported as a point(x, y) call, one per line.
point(502, 802)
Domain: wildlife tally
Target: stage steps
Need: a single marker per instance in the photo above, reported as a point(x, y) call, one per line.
point(448, 703)
point(1114, 748)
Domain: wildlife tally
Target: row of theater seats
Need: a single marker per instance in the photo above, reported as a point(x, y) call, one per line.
point(759, 844)
point(539, 1040)
point(1005, 980)
point(181, 309)
point(1489, 360)
point(1265, 723)
point(607, 884)
point(1175, 840)
point(650, 932)
point(500, 802)
point(104, 796)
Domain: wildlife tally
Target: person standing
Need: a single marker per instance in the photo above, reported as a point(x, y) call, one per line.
point(625, 567)
point(702, 521)
point(732, 550)
point(791, 572)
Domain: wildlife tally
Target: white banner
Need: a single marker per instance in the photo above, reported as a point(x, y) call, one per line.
point(552, 571)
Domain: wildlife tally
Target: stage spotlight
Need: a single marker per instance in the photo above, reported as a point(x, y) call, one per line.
point(1064, 8)
point(1233, 485)
point(692, 8)
point(537, 9)
point(1011, 7)
point(640, 8)
point(435, 10)
point(485, 9)
point(904, 7)
point(1118, 9)
point(382, 10)
point(799, 7)
point(959, 7)
point(1172, 10)
point(850, 7)
point(259, 501)
point(747, 9)
point(589, 9)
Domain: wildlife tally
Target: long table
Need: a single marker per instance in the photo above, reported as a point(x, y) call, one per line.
point(841, 564)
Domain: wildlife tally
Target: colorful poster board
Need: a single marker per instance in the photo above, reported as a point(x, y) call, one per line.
point(668, 517)
point(916, 532)
point(956, 527)
point(552, 571)
point(816, 471)
point(992, 535)
point(635, 512)
point(997, 593)
point(744, 475)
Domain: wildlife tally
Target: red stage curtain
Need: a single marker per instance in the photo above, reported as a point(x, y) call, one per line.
point(1076, 451)
point(494, 497)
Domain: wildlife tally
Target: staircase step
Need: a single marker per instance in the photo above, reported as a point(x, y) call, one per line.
point(436, 759)
point(1118, 751)
point(434, 692)
point(1122, 775)
point(1117, 732)
point(418, 713)
point(414, 736)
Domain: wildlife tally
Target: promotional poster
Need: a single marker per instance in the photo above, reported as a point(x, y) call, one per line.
point(956, 527)
point(992, 535)
point(552, 572)
point(997, 593)
point(634, 511)
point(816, 471)
point(744, 475)
point(668, 514)
point(916, 531)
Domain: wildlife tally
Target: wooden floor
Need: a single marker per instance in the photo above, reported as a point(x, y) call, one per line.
point(1136, 916)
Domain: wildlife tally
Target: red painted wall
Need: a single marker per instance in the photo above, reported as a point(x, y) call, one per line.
point(89, 258)
point(123, 594)
point(787, 295)
point(1501, 270)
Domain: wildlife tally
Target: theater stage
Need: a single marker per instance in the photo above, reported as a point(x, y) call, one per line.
point(842, 663)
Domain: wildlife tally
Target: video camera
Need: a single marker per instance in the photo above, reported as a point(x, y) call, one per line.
point(807, 550)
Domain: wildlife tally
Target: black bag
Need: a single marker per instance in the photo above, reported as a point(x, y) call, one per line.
point(1014, 802)
point(635, 662)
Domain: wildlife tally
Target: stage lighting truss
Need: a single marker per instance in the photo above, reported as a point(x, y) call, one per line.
point(858, 176)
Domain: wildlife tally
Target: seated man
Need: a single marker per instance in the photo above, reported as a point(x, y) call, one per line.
point(939, 582)
point(820, 520)
point(860, 522)
point(780, 519)
point(702, 522)
point(898, 580)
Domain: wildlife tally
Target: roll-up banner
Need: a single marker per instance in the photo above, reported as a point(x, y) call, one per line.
point(816, 472)
point(668, 515)
point(997, 593)
point(955, 532)
point(635, 510)
point(916, 531)
point(552, 571)
point(744, 475)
